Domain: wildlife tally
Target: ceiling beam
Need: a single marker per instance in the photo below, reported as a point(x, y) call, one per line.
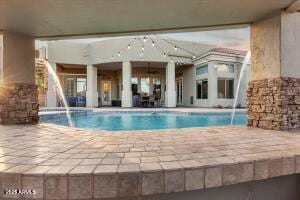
point(146, 32)
point(294, 7)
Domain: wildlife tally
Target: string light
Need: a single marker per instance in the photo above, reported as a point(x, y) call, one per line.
point(153, 44)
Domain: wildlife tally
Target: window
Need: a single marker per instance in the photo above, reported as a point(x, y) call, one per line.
point(225, 88)
point(134, 85)
point(81, 86)
point(202, 70)
point(156, 87)
point(74, 86)
point(70, 87)
point(145, 86)
point(202, 89)
point(222, 67)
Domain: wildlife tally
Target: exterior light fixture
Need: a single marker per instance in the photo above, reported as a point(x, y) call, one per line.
point(165, 55)
point(175, 48)
point(153, 43)
point(143, 48)
point(112, 57)
point(145, 39)
point(119, 53)
point(193, 56)
point(129, 46)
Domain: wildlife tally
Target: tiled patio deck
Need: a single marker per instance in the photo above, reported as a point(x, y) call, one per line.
point(64, 163)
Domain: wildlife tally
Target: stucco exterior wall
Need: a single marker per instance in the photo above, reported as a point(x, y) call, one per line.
point(190, 78)
point(20, 70)
point(94, 53)
point(265, 47)
point(290, 42)
point(83, 54)
point(1, 57)
point(68, 53)
point(275, 47)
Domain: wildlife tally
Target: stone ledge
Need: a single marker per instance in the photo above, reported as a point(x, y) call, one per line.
point(132, 184)
point(170, 161)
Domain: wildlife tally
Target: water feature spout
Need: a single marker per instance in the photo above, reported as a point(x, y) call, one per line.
point(244, 67)
point(60, 91)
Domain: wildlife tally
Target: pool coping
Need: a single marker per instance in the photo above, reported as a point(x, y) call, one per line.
point(108, 110)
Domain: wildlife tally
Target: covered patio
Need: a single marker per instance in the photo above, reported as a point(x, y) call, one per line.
point(56, 162)
point(147, 85)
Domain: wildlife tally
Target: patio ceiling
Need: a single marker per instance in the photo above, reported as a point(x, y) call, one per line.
point(57, 18)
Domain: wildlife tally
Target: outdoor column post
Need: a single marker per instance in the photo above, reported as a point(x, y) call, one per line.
point(273, 98)
point(19, 92)
point(170, 96)
point(52, 90)
point(126, 85)
point(151, 85)
point(140, 85)
point(212, 84)
point(91, 93)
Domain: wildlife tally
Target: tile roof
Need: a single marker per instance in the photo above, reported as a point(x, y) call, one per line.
point(229, 51)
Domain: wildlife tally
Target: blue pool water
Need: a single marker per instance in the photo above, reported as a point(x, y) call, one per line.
point(118, 121)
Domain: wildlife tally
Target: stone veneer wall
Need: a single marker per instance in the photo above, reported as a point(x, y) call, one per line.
point(18, 103)
point(274, 104)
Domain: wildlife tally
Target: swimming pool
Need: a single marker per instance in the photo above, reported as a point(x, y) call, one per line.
point(119, 121)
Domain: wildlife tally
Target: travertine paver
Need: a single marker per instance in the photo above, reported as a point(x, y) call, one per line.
point(67, 163)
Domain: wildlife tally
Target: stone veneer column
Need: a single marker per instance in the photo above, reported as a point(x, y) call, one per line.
point(18, 92)
point(171, 88)
point(91, 93)
point(126, 85)
point(273, 97)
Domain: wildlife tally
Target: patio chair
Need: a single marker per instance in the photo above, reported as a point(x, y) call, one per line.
point(71, 101)
point(151, 102)
point(158, 102)
point(80, 101)
point(145, 101)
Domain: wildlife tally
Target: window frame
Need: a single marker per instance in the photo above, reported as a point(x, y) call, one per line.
point(229, 65)
point(197, 95)
point(84, 85)
point(226, 93)
point(202, 66)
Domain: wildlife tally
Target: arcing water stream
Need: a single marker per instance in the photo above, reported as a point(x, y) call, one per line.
point(60, 92)
point(244, 67)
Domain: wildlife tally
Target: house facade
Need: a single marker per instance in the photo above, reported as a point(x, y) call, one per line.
point(145, 72)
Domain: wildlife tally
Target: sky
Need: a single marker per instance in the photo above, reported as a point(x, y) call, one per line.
point(231, 38)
